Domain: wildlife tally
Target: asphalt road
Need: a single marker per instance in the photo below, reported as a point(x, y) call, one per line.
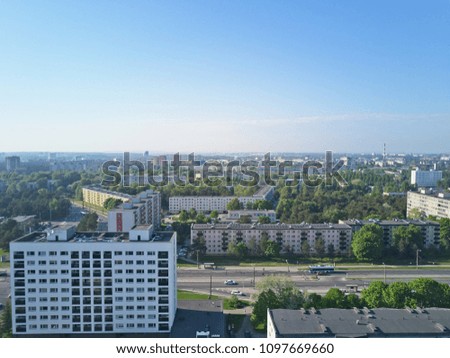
point(199, 279)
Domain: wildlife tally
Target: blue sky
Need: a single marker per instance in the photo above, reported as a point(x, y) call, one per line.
point(225, 75)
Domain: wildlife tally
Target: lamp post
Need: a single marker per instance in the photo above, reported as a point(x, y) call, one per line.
point(384, 267)
point(417, 258)
point(197, 259)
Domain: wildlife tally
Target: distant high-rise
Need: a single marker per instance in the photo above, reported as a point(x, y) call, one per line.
point(12, 163)
point(424, 178)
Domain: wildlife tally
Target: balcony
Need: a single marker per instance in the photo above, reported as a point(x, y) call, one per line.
point(19, 274)
point(21, 310)
point(19, 265)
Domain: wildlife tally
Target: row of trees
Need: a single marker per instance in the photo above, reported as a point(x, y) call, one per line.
point(368, 243)
point(333, 203)
point(281, 292)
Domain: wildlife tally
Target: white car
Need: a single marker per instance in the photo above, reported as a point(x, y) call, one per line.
point(237, 293)
point(230, 283)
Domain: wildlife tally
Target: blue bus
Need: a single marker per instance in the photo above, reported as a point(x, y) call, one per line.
point(321, 269)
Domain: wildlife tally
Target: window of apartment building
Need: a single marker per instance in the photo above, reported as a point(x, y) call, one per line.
point(118, 253)
point(30, 253)
point(129, 253)
point(30, 263)
point(129, 262)
point(42, 262)
point(129, 280)
point(139, 253)
point(150, 262)
point(42, 253)
point(31, 290)
point(151, 253)
point(118, 262)
point(64, 253)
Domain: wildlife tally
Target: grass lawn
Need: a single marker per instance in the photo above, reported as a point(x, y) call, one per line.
point(4, 264)
point(189, 295)
point(242, 304)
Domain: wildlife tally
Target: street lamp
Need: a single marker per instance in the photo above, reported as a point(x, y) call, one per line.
point(384, 267)
point(417, 258)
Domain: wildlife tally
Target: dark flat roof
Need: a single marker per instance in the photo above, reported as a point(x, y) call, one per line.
point(378, 322)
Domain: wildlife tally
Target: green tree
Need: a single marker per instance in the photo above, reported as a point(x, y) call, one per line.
point(313, 300)
point(265, 300)
point(306, 248)
point(183, 216)
point(88, 222)
point(445, 234)
point(330, 250)
point(111, 203)
point(397, 295)
point(334, 298)
point(264, 220)
point(237, 249)
point(407, 239)
point(319, 247)
point(428, 293)
point(245, 219)
point(272, 249)
point(214, 214)
point(6, 320)
point(234, 204)
point(367, 243)
point(275, 292)
point(374, 295)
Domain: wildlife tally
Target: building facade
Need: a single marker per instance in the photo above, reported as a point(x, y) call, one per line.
point(290, 237)
point(254, 214)
point(430, 230)
point(143, 209)
point(218, 203)
point(97, 196)
point(428, 205)
point(425, 178)
point(63, 282)
point(12, 163)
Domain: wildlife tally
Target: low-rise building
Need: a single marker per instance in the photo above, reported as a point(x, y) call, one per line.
point(437, 205)
point(218, 203)
point(254, 214)
point(430, 229)
point(97, 196)
point(290, 237)
point(358, 323)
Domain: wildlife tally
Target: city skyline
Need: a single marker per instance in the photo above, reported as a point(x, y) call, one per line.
point(225, 76)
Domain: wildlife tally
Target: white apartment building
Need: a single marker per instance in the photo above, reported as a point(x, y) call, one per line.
point(290, 236)
point(218, 203)
point(430, 230)
point(425, 178)
point(428, 204)
point(143, 209)
point(95, 195)
point(254, 214)
point(63, 282)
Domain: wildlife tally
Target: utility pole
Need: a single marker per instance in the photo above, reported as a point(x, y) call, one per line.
point(210, 286)
point(384, 266)
point(254, 276)
point(417, 258)
point(197, 261)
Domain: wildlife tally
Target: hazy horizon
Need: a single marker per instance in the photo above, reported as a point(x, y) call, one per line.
point(220, 76)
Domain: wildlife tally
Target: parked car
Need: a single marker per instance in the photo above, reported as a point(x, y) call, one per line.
point(230, 283)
